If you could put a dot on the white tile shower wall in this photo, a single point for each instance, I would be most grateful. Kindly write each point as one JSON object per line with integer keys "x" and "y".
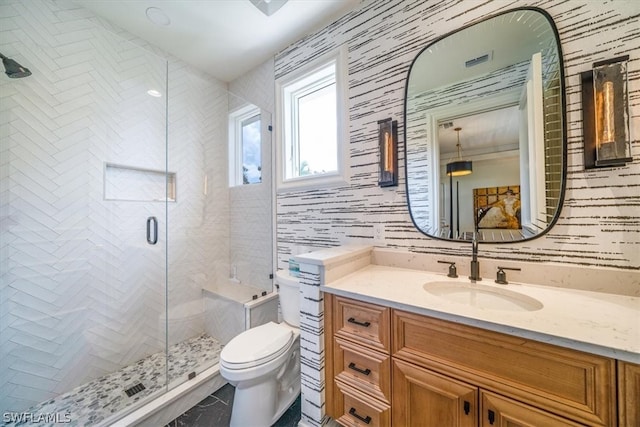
{"x": 600, "y": 222}
{"x": 82, "y": 293}
{"x": 251, "y": 234}
{"x": 225, "y": 318}
{"x": 198, "y": 107}
{"x": 256, "y": 86}
{"x": 199, "y": 219}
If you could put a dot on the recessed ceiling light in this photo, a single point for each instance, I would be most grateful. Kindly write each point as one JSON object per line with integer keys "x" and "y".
{"x": 268, "y": 7}
{"x": 157, "y": 16}
{"x": 154, "y": 93}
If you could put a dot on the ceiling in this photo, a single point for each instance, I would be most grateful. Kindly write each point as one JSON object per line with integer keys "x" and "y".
{"x": 506, "y": 40}
{"x": 224, "y": 38}
{"x": 486, "y": 132}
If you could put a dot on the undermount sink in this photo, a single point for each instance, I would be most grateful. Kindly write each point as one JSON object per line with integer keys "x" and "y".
{"x": 482, "y": 296}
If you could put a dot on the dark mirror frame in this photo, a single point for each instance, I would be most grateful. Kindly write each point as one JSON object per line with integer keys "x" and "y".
{"x": 563, "y": 114}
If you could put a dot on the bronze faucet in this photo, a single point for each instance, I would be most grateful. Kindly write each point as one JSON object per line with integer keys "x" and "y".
{"x": 475, "y": 264}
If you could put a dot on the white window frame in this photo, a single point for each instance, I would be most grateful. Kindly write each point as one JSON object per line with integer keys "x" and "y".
{"x": 285, "y": 127}
{"x": 236, "y": 118}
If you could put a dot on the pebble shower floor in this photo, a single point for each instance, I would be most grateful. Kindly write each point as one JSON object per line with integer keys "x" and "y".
{"x": 98, "y": 400}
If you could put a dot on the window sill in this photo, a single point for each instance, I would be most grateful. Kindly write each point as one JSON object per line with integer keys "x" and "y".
{"x": 312, "y": 183}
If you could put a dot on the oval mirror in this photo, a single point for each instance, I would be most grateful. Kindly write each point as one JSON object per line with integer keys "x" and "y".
{"x": 484, "y": 130}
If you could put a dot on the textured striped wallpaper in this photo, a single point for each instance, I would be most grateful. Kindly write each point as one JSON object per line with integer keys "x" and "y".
{"x": 599, "y": 224}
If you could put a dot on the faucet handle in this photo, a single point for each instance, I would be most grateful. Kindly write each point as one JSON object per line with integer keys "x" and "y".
{"x": 453, "y": 272}
{"x": 501, "y": 276}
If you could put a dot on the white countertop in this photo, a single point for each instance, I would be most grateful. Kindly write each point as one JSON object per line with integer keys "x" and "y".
{"x": 598, "y": 323}
{"x": 334, "y": 255}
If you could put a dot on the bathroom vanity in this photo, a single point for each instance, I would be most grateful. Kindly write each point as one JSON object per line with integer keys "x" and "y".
{"x": 406, "y": 346}
{"x": 446, "y": 373}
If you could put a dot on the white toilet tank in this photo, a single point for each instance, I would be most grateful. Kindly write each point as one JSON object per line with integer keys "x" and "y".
{"x": 289, "y": 297}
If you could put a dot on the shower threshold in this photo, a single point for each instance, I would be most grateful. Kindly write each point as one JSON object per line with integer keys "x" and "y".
{"x": 120, "y": 392}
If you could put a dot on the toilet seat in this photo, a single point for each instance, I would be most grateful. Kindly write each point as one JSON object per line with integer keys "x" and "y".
{"x": 256, "y": 346}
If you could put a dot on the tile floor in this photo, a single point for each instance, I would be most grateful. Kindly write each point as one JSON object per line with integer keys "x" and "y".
{"x": 215, "y": 411}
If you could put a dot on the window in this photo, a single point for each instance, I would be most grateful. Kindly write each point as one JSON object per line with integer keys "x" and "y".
{"x": 245, "y": 162}
{"x": 311, "y": 106}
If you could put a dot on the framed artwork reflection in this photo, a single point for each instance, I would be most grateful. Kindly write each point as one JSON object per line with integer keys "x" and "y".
{"x": 497, "y": 207}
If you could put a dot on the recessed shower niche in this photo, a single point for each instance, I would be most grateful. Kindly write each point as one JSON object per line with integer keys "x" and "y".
{"x": 138, "y": 184}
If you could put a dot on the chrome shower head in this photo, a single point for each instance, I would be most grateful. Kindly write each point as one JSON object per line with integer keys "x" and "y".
{"x": 13, "y": 69}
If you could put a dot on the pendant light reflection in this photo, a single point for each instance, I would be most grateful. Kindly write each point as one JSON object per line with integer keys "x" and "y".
{"x": 459, "y": 167}
{"x": 154, "y": 93}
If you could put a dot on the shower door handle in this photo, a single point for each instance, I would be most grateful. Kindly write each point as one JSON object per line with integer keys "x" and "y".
{"x": 152, "y": 240}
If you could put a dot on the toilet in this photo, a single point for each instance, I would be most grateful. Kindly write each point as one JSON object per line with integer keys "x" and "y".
{"x": 263, "y": 363}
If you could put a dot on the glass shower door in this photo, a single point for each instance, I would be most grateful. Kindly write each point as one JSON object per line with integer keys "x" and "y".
{"x": 220, "y": 252}
{"x": 83, "y": 206}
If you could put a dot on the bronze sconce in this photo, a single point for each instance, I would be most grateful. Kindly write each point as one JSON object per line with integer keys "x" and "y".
{"x": 605, "y": 114}
{"x": 388, "y": 149}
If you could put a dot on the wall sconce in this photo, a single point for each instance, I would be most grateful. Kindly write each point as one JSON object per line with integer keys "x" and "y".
{"x": 605, "y": 114}
{"x": 388, "y": 148}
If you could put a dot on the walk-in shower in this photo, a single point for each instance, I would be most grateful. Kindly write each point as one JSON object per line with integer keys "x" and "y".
{"x": 119, "y": 230}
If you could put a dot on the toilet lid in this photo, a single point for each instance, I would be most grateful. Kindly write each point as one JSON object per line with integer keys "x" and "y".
{"x": 256, "y": 346}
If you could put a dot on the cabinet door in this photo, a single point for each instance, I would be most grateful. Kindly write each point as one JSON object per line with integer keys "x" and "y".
{"x": 422, "y": 398}
{"x": 629, "y": 393}
{"x": 499, "y": 411}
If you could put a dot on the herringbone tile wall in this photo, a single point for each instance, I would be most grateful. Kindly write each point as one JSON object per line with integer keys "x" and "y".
{"x": 199, "y": 219}
{"x": 251, "y": 228}
{"x": 81, "y": 292}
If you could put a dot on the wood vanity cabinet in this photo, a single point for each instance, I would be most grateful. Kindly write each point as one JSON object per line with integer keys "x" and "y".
{"x": 359, "y": 391}
{"x": 422, "y": 371}
{"x": 426, "y": 398}
{"x": 629, "y": 394}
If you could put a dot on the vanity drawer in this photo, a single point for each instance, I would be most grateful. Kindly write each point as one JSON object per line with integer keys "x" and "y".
{"x": 364, "y": 323}
{"x": 366, "y": 370}
{"x": 358, "y": 409}
{"x": 570, "y": 383}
